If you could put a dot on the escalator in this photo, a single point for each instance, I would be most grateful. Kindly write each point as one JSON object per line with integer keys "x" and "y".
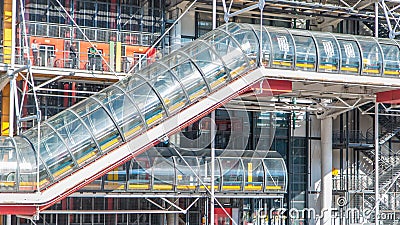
{"x": 108, "y": 129}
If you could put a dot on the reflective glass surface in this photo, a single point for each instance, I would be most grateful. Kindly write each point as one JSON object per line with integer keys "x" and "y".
{"x": 282, "y": 48}
{"x": 391, "y": 54}
{"x": 351, "y": 58}
{"x": 328, "y": 52}
{"x": 306, "y": 53}
{"x": 372, "y": 57}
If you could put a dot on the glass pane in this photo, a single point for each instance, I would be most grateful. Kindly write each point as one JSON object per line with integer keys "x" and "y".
{"x": 85, "y": 107}
{"x": 372, "y": 57}
{"x": 44, "y": 177}
{"x": 75, "y": 135}
{"x": 123, "y": 110}
{"x": 328, "y": 53}
{"x": 392, "y": 59}
{"x": 266, "y": 46}
{"x": 233, "y": 56}
{"x": 275, "y": 175}
{"x": 205, "y": 174}
{"x": 27, "y": 165}
{"x": 149, "y": 104}
{"x": 282, "y": 48}
{"x": 130, "y": 83}
{"x": 54, "y": 152}
{"x": 116, "y": 179}
{"x": 186, "y": 176}
{"x": 248, "y": 42}
{"x": 140, "y": 173}
{"x": 9, "y": 165}
{"x": 211, "y": 66}
{"x": 191, "y": 79}
{"x": 163, "y": 173}
{"x": 306, "y": 53}
{"x": 350, "y": 57}
{"x": 232, "y": 174}
{"x": 103, "y": 129}
{"x": 170, "y": 90}
{"x": 174, "y": 59}
{"x": 254, "y": 172}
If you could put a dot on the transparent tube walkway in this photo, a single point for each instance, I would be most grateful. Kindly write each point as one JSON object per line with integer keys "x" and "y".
{"x": 98, "y": 134}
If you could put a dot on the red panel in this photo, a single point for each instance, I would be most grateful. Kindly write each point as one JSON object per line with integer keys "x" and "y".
{"x": 17, "y": 210}
{"x": 392, "y": 97}
{"x": 271, "y": 87}
{"x": 220, "y": 217}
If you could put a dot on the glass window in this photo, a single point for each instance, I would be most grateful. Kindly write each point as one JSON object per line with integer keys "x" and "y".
{"x": 205, "y": 174}
{"x": 248, "y": 42}
{"x": 149, "y": 104}
{"x": 27, "y": 165}
{"x": 163, "y": 174}
{"x": 191, "y": 79}
{"x": 372, "y": 57}
{"x": 103, "y": 129}
{"x": 282, "y": 48}
{"x": 328, "y": 53}
{"x": 254, "y": 173}
{"x": 9, "y": 165}
{"x": 306, "y": 53}
{"x": 186, "y": 176}
{"x": 275, "y": 175}
{"x": 140, "y": 173}
{"x": 210, "y": 64}
{"x": 350, "y": 57}
{"x": 123, "y": 110}
{"x": 232, "y": 174}
{"x": 75, "y": 135}
{"x": 392, "y": 59}
{"x": 170, "y": 91}
{"x": 54, "y": 152}
{"x": 116, "y": 179}
{"x": 44, "y": 177}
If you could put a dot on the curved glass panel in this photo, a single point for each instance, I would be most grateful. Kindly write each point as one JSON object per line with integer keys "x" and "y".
{"x": 392, "y": 60}
{"x": 140, "y": 173}
{"x": 116, "y": 179}
{"x": 191, "y": 79}
{"x": 275, "y": 175}
{"x": 170, "y": 91}
{"x": 75, "y": 135}
{"x": 163, "y": 174}
{"x": 328, "y": 53}
{"x": 44, "y": 175}
{"x": 232, "y": 174}
{"x": 266, "y": 46}
{"x": 103, "y": 128}
{"x": 9, "y": 165}
{"x": 351, "y": 58}
{"x": 254, "y": 173}
{"x": 205, "y": 174}
{"x": 27, "y": 165}
{"x": 123, "y": 110}
{"x": 209, "y": 64}
{"x": 149, "y": 104}
{"x": 247, "y": 39}
{"x": 130, "y": 83}
{"x": 282, "y": 48}
{"x": 54, "y": 152}
{"x": 175, "y": 59}
{"x": 372, "y": 57}
{"x": 306, "y": 53}
{"x": 186, "y": 176}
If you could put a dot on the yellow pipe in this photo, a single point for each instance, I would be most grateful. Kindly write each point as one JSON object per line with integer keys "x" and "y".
{"x": 7, "y": 30}
{"x": 5, "y": 111}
